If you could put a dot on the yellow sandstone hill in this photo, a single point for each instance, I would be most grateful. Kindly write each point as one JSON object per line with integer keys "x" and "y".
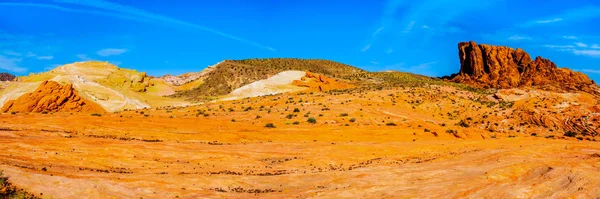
{"x": 111, "y": 87}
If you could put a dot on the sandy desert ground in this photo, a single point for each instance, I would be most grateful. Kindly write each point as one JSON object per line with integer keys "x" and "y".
{"x": 362, "y": 145}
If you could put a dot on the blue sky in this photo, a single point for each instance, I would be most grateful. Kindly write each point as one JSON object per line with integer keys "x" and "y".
{"x": 178, "y": 36}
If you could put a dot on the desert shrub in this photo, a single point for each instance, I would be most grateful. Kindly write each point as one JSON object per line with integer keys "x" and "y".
{"x": 269, "y": 125}
{"x": 343, "y": 114}
{"x": 463, "y": 124}
{"x": 296, "y": 123}
{"x": 390, "y": 124}
{"x": 96, "y": 114}
{"x": 311, "y": 120}
{"x": 296, "y": 110}
{"x": 352, "y": 119}
{"x": 570, "y": 134}
{"x": 9, "y": 191}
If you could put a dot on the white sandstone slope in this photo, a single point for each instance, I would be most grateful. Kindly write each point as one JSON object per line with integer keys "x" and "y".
{"x": 279, "y": 83}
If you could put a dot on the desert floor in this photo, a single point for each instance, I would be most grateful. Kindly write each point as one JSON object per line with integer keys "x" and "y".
{"x": 212, "y": 151}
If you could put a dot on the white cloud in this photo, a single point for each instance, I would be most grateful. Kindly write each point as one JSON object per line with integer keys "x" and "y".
{"x": 549, "y": 21}
{"x": 389, "y": 51}
{"x": 366, "y": 48}
{"x": 582, "y": 45}
{"x": 425, "y": 27}
{"x": 30, "y": 54}
{"x": 374, "y": 62}
{"x": 595, "y": 46}
{"x": 519, "y": 38}
{"x": 83, "y": 57}
{"x": 49, "y": 57}
{"x": 591, "y": 53}
{"x": 111, "y": 51}
{"x": 11, "y": 65}
{"x": 569, "y": 37}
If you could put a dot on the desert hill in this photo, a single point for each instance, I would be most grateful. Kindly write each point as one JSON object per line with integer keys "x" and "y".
{"x": 488, "y": 66}
{"x": 102, "y": 83}
{"x": 226, "y": 76}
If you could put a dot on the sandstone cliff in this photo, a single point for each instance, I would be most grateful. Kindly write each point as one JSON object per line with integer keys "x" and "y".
{"x": 487, "y": 66}
{"x": 51, "y": 97}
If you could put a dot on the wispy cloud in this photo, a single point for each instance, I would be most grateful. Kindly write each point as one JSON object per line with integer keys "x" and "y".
{"x": 374, "y": 62}
{"x": 378, "y": 31}
{"x": 11, "y": 53}
{"x": 577, "y": 14}
{"x": 519, "y": 38}
{"x": 569, "y": 37}
{"x": 415, "y": 17}
{"x": 581, "y": 45}
{"x": 592, "y": 71}
{"x": 388, "y": 51}
{"x": 560, "y": 47}
{"x": 367, "y": 47}
{"x": 49, "y": 57}
{"x": 409, "y": 27}
{"x": 549, "y": 21}
{"x": 591, "y": 53}
{"x": 580, "y": 49}
{"x": 111, "y": 51}
{"x": 10, "y": 64}
{"x": 130, "y": 13}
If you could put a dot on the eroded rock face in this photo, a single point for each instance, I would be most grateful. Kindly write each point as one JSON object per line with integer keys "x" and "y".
{"x": 487, "y": 66}
{"x": 6, "y": 77}
{"x": 51, "y": 97}
{"x": 320, "y": 82}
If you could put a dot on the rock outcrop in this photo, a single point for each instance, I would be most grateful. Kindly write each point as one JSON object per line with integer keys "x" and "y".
{"x": 487, "y": 66}
{"x": 320, "y": 82}
{"x": 49, "y": 97}
{"x": 6, "y": 77}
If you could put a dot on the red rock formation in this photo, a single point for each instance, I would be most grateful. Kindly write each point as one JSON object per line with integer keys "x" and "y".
{"x": 6, "y": 77}
{"x": 320, "y": 82}
{"x": 52, "y": 97}
{"x": 487, "y": 66}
